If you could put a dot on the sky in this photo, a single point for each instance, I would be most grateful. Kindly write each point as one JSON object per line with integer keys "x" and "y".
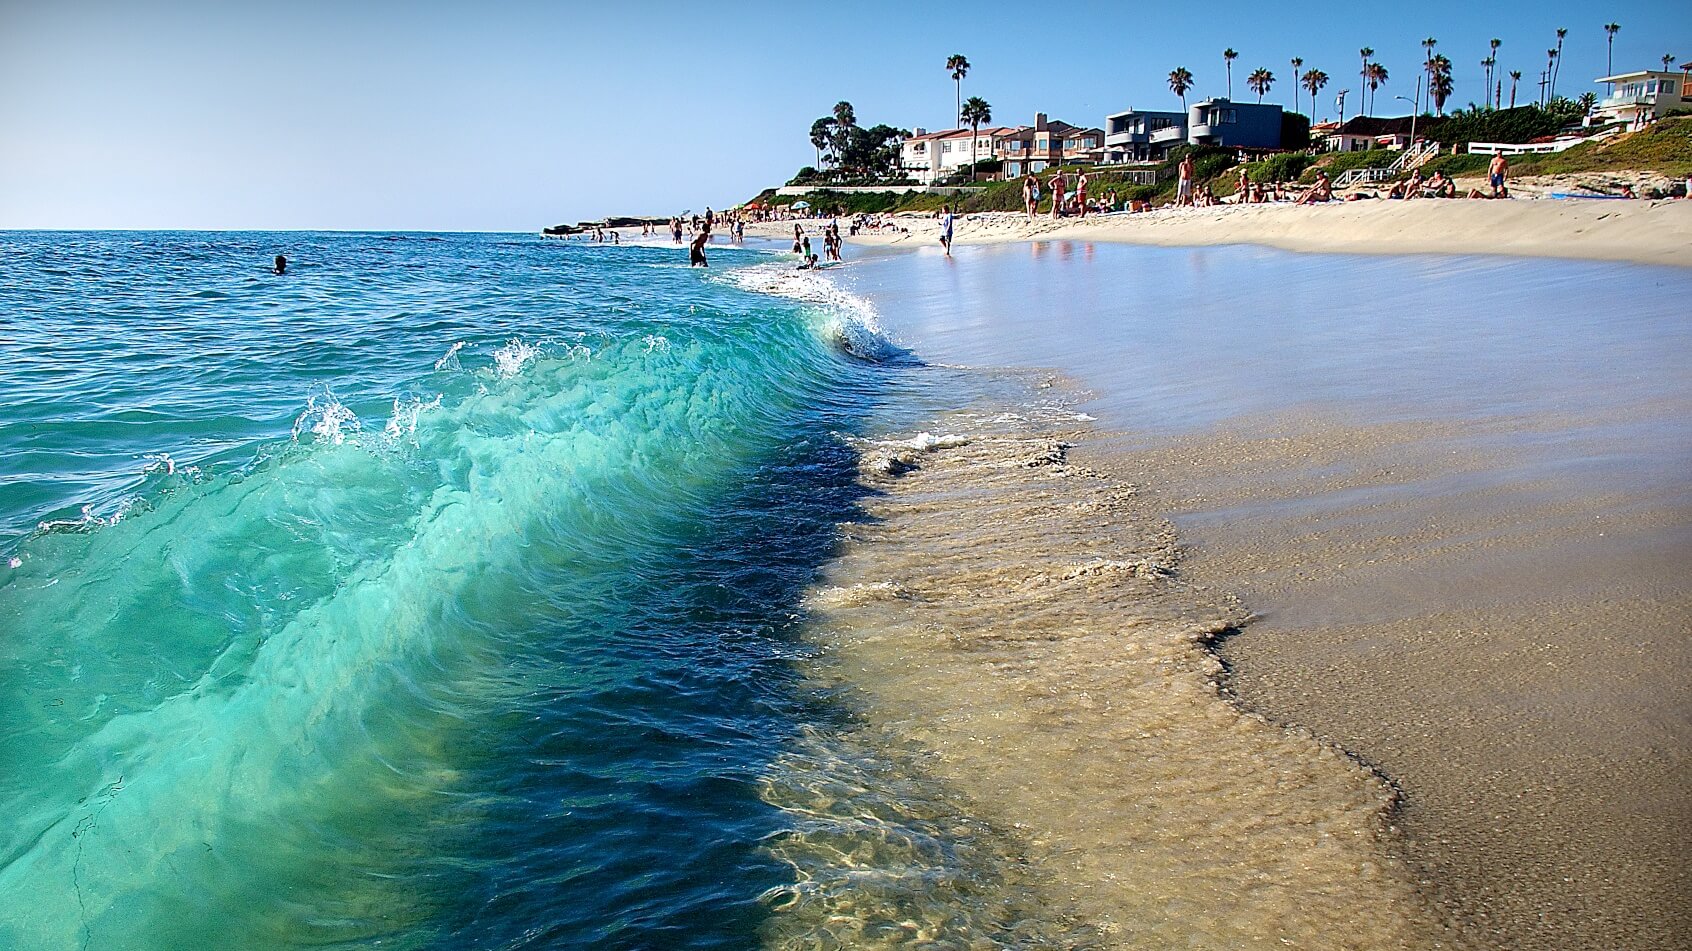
{"x": 508, "y": 116}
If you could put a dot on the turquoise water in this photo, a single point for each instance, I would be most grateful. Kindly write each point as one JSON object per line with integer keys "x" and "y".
{"x": 439, "y": 593}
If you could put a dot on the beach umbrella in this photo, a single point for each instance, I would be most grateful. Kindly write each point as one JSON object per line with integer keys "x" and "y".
{"x": 801, "y": 204}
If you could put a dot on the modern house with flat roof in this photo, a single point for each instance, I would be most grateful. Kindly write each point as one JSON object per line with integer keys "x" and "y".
{"x": 1643, "y": 97}
{"x": 1128, "y": 135}
{"x": 1246, "y": 125}
{"x": 1135, "y": 136}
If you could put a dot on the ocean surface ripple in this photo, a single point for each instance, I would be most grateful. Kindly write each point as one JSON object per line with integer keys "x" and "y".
{"x": 438, "y": 593}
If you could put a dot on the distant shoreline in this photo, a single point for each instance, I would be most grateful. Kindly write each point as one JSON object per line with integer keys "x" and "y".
{"x": 1656, "y": 232}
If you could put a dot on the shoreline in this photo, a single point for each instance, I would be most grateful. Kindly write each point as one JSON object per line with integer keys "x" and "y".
{"x": 1428, "y": 590}
{"x": 1653, "y": 232}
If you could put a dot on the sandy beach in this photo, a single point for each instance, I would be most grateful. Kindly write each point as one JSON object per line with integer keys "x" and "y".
{"x": 1430, "y": 512}
{"x": 1642, "y": 232}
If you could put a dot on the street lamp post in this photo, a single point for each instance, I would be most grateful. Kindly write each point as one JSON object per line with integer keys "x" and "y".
{"x": 1415, "y": 107}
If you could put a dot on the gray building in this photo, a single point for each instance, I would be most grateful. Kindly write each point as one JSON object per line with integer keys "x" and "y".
{"x": 1128, "y": 135}
{"x": 1135, "y": 136}
{"x": 1246, "y": 125}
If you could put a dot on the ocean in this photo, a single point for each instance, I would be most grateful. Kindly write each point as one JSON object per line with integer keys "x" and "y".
{"x": 495, "y": 592}
{"x": 440, "y": 592}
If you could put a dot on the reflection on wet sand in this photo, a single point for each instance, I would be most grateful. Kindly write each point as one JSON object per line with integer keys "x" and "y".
{"x": 1016, "y": 628}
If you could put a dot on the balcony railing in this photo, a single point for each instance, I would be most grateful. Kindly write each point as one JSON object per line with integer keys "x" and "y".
{"x": 1172, "y": 133}
{"x": 1643, "y": 99}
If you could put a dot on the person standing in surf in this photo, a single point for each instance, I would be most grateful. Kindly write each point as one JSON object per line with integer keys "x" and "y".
{"x": 696, "y": 251}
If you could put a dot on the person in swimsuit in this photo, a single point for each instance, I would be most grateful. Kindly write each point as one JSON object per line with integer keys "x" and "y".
{"x": 1496, "y": 173}
{"x": 1059, "y": 186}
{"x": 696, "y": 251}
{"x": 1030, "y": 195}
{"x": 946, "y": 231}
{"x": 280, "y": 265}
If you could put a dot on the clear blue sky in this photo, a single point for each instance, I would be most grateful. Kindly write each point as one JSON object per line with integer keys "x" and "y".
{"x": 510, "y": 116}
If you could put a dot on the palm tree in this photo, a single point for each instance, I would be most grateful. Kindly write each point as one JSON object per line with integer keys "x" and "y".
{"x": 1363, "y": 86}
{"x": 1668, "y": 58}
{"x": 1487, "y": 65}
{"x": 1429, "y": 44}
{"x": 1493, "y": 57}
{"x": 822, "y": 133}
{"x": 1610, "y": 55}
{"x": 975, "y": 111}
{"x": 1550, "y": 64}
{"x": 1439, "y": 82}
{"x": 1377, "y": 79}
{"x": 1296, "y": 63}
{"x": 1588, "y": 101}
{"x": 959, "y": 68}
{"x": 1228, "y": 57}
{"x": 1515, "y": 77}
{"x": 1181, "y": 80}
{"x": 1259, "y": 81}
{"x": 1559, "y": 58}
{"x": 1314, "y": 80}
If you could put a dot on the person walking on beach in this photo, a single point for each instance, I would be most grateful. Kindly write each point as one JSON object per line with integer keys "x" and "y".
{"x": 1030, "y": 195}
{"x": 1184, "y": 181}
{"x": 946, "y": 231}
{"x": 1496, "y": 173}
{"x": 1059, "y": 186}
{"x": 1081, "y": 193}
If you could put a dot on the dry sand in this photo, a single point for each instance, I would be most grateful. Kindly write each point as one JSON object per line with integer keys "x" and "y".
{"x": 1644, "y": 232}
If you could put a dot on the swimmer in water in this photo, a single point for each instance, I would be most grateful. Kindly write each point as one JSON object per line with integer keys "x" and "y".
{"x": 281, "y": 264}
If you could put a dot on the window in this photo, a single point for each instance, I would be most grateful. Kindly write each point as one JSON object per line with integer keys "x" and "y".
{"x": 1036, "y": 166}
{"x": 1089, "y": 142}
{"x": 920, "y": 147}
{"x": 945, "y": 146}
{"x": 1670, "y": 88}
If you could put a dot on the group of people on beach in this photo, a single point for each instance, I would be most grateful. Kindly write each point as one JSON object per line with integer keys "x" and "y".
{"x": 1064, "y": 203}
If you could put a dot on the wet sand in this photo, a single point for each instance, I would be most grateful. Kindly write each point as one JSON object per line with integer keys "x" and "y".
{"x": 1451, "y": 496}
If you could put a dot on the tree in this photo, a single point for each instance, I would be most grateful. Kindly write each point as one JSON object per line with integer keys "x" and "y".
{"x": 1228, "y": 57}
{"x": 959, "y": 68}
{"x": 1259, "y": 81}
{"x": 1363, "y": 74}
{"x": 1492, "y": 60}
{"x": 1429, "y": 44}
{"x": 1377, "y": 79}
{"x": 1487, "y": 65}
{"x": 1668, "y": 59}
{"x": 1558, "y": 69}
{"x": 1550, "y": 67}
{"x": 1588, "y": 101}
{"x": 1439, "y": 82}
{"x": 822, "y": 136}
{"x": 1515, "y": 77}
{"x": 975, "y": 111}
{"x": 1313, "y": 81}
{"x": 1611, "y": 29}
{"x": 844, "y": 122}
{"x": 1181, "y": 80}
{"x": 1296, "y": 63}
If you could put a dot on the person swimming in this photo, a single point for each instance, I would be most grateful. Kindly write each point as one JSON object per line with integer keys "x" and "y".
{"x": 280, "y": 265}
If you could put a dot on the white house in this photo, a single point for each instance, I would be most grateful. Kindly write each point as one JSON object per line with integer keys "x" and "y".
{"x": 1644, "y": 96}
{"x": 928, "y": 156}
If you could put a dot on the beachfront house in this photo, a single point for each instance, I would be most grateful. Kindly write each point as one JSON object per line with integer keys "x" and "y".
{"x": 1362, "y": 133}
{"x": 1246, "y": 125}
{"x": 930, "y": 156}
{"x": 1128, "y": 135}
{"x": 1046, "y": 144}
{"x": 1134, "y": 136}
{"x": 1642, "y": 97}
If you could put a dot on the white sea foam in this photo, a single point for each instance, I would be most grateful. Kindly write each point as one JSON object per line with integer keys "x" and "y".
{"x": 853, "y": 322}
{"x": 403, "y": 422}
{"x": 509, "y": 359}
{"x": 327, "y": 419}
{"x": 449, "y": 360}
